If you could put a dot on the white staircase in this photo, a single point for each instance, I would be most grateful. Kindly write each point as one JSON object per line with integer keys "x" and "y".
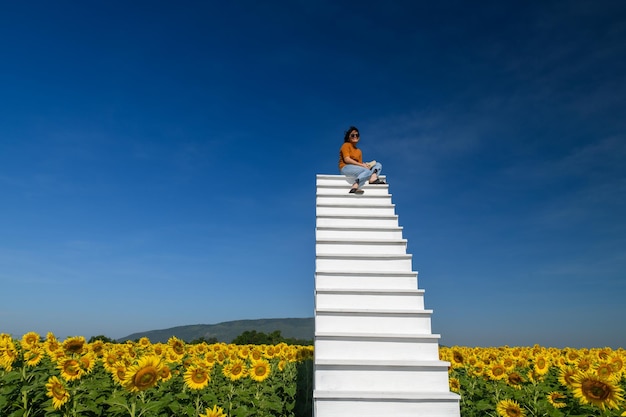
{"x": 375, "y": 354}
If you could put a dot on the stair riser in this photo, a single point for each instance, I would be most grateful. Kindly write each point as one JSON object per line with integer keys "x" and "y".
{"x": 355, "y": 211}
{"x": 361, "y": 248}
{"x": 342, "y": 182}
{"x": 358, "y": 234}
{"x": 378, "y": 408}
{"x": 367, "y": 222}
{"x": 365, "y": 301}
{"x": 363, "y": 265}
{"x": 368, "y": 191}
{"x": 377, "y": 349}
{"x": 366, "y": 282}
{"x": 355, "y": 199}
{"x": 383, "y": 379}
{"x": 383, "y": 325}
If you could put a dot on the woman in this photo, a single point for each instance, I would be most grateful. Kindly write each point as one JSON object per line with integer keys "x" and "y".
{"x": 351, "y": 163}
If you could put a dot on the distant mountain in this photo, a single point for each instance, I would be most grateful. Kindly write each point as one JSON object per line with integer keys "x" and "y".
{"x": 297, "y": 328}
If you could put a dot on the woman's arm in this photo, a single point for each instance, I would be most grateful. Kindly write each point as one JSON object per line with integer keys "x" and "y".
{"x": 351, "y": 161}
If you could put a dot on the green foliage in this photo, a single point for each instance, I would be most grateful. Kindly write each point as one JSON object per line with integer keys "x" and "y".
{"x": 102, "y": 338}
{"x": 252, "y": 337}
{"x": 202, "y": 339}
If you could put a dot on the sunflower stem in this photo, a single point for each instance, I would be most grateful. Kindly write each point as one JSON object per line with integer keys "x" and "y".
{"x": 198, "y": 405}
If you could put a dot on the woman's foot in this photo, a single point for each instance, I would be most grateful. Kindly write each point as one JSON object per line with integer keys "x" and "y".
{"x": 378, "y": 181}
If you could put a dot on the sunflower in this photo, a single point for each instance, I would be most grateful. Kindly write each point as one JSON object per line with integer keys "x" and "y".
{"x": 74, "y": 344}
{"x": 270, "y": 352}
{"x": 509, "y": 363}
{"x": 604, "y": 393}
{"x": 583, "y": 364}
{"x": 109, "y": 360}
{"x": 166, "y": 373}
{"x": 30, "y": 340}
{"x": 234, "y": 370}
{"x": 260, "y": 370}
{"x": 57, "y": 391}
{"x": 555, "y": 398}
{"x": 244, "y": 351}
{"x": 8, "y": 352}
{"x": 617, "y": 363}
{"x": 256, "y": 354}
{"x": 604, "y": 370}
{"x": 209, "y": 357}
{"x": 454, "y": 384}
{"x": 33, "y": 356}
{"x": 497, "y": 371}
{"x": 604, "y": 353}
{"x": 159, "y": 349}
{"x": 214, "y": 412}
{"x": 97, "y": 347}
{"x": 87, "y": 362}
{"x": 144, "y": 374}
{"x": 220, "y": 356}
{"x": 541, "y": 365}
{"x": 71, "y": 369}
{"x": 509, "y": 408}
{"x": 197, "y": 377}
{"x": 201, "y": 349}
{"x": 144, "y": 342}
{"x": 457, "y": 359}
{"x": 51, "y": 344}
{"x": 515, "y": 380}
{"x": 176, "y": 345}
{"x": 478, "y": 369}
{"x": 566, "y": 376}
{"x": 118, "y": 372}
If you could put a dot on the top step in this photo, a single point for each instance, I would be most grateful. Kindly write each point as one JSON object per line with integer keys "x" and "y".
{"x": 323, "y": 180}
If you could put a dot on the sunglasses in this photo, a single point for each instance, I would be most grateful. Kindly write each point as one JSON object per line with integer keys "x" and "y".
{"x": 354, "y": 135}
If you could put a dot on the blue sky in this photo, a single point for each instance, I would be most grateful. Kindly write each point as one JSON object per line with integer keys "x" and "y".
{"x": 158, "y": 160}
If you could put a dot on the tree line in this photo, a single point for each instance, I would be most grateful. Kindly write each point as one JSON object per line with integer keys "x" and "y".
{"x": 248, "y": 337}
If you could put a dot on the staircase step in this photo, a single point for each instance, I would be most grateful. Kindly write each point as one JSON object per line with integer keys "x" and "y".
{"x": 336, "y": 180}
{"x": 376, "y": 375}
{"x": 384, "y": 322}
{"x": 345, "y": 198}
{"x": 358, "y": 233}
{"x": 366, "y": 280}
{"x": 361, "y": 246}
{"x": 356, "y": 209}
{"x": 355, "y": 220}
{"x": 369, "y": 299}
{"x": 368, "y": 190}
{"x": 385, "y": 403}
{"x": 367, "y": 346}
{"x": 363, "y": 263}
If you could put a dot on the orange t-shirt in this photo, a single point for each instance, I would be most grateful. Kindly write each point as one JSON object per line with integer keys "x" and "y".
{"x": 348, "y": 149}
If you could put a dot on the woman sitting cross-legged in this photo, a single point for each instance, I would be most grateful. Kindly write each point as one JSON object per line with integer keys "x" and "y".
{"x": 351, "y": 163}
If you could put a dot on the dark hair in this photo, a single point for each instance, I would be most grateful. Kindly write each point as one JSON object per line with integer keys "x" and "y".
{"x": 346, "y": 135}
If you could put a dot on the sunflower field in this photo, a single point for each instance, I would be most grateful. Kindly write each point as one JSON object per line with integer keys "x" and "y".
{"x": 537, "y": 381}
{"x": 49, "y": 377}
{"x": 57, "y": 378}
